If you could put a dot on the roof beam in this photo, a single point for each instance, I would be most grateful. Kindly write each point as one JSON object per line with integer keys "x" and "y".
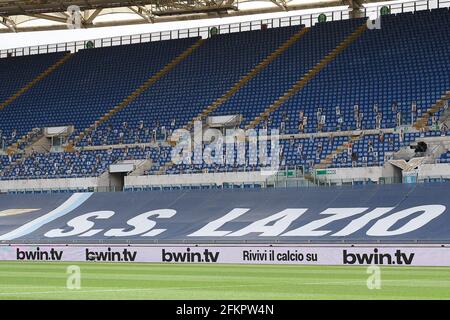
{"x": 280, "y": 3}
{"x": 7, "y": 22}
{"x": 94, "y": 15}
{"x": 48, "y": 17}
{"x": 145, "y": 11}
{"x": 160, "y": 18}
{"x": 145, "y": 14}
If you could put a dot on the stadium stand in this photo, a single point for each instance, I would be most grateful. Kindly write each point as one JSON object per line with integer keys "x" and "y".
{"x": 87, "y": 85}
{"x": 280, "y": 75}
{"x": 341, "y": 95}
{"x": 198, "y": 81}
{"x": 24, "y": 69}
{"x": 379, "y": 69}
{"x": 445, "y": 158}
{"x": 65, "y": 165}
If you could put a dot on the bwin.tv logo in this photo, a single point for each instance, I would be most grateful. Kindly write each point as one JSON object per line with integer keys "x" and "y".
{"x": 373, "y": 24}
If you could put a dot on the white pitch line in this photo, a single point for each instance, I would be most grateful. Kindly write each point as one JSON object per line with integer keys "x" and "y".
{"x": 335, "y": 282}
{"x": 125, "y": 290}
{"x": 363, "y": 283}
{"x": 170, "y": 288}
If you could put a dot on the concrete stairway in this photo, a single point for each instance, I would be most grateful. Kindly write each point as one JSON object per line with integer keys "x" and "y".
{"x": 422, "y": 122}
{"x": 26, "y": 140}
{"x": 41, "y": 144}
{"x": 141, "y": 167}
{"x": 125, "y": 102}
{"x": 246, "y": 78}
{"x": 29, "y": 85}
{"x": 308, "y": 76}
{"x": 328, "y": 160}
{"x": 445, "y": 117}
{"x": 34, "y": 137}
{"x": 294, "y": 89}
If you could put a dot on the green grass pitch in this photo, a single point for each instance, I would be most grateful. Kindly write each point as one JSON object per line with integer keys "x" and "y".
{"x": 40, "y": 280}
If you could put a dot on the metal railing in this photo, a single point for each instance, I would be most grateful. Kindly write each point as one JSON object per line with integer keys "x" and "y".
{"x": 353, "y": 242}
{"x": 63, "y": 190}
{"x": 296, "y": 180}
{"x": 404, "y": 7}
{"x": 203, "y": 32}
{"x": 307, "y": 20}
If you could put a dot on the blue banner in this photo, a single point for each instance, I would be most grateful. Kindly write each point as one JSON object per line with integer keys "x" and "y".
{"x": 387, "y": 213}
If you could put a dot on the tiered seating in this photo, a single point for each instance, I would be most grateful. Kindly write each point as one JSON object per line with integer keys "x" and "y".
{"x": 193, "y": 85}
{"x": 445, "y": 158}
{"x": 369, "y": 151}
{"x": 87, "y": 85}
{"x": 4, "y": 162}
{"x": 65, "y": 165}
{"x": 78, "y": 164}
{"x": 16, "y": 72}
{"x": 292, "y": 153}
{"x": 282, "y": 73}
{"x": 380, "y": 145}
{"x": 307, "y": 152}
{"x": 406, "y": 60}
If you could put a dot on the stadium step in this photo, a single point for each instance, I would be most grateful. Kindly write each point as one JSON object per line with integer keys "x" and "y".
{"x": 246, "y": 78}
{"x": 24, "y": 141}
{"x": 30, "y": 84}
{"x": 308, "y": 76}
{"x": 125, "y": 102}
{"x": 422, "y": 122}
{"x": 328, "y": 160}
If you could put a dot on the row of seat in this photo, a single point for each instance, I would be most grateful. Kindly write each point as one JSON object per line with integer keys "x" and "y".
{"x": 406, "y": 61}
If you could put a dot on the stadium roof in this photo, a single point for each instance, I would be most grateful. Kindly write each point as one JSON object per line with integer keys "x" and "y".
{"x": 37, "y": 15}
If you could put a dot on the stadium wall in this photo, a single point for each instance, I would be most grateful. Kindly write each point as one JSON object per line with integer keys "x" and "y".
{"x": 246, "y": 254}
{"x": 196, "y": 178}
{"x": 382, "y": 225}
{"x": 105, "y": 181}
{"x": 434, "y": 170}
{"x": 39, "y": 184}
{"x": 349, "y": 174}
{"x": 398, "y": 213}
{"x": 51, "y": 184}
